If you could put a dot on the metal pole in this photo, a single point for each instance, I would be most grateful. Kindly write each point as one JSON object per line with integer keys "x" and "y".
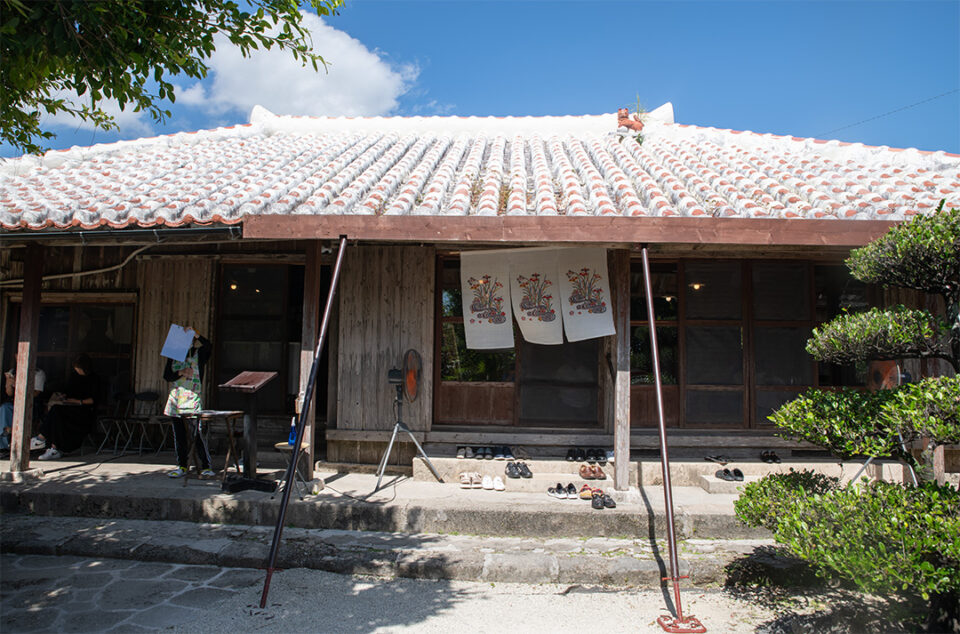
{"x": 679, "y": 624}
{"x": 301, "y": 420}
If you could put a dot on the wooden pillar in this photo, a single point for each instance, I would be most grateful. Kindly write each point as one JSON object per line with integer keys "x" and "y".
{"x": 22, "y": 428}
{"x": 308, "y": 345}
{"x": 620, "y": 289}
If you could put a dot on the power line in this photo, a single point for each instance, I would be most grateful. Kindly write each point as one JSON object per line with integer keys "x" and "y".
{"x": 823, "y": 134}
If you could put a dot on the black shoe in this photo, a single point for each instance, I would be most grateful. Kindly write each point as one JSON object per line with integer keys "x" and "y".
{"x": 608, "y": 502}
{"x": 571, "y": 455}
{"x": 488, "y": 453}
{"x": 571, "y": 492}
{"x": 590, "y": 456}
{"x": 478, "y": 453}
{"x": 738, "y": 475}
{"x": 600, "y": 456}
{"x": 524, "y": 470}
{"x": 511, "y": 470}
{"x": 597, "y": 502}
{"x": 579, "y": 456}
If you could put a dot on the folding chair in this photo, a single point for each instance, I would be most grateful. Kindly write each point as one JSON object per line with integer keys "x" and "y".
{"x": 146, "y": 417}
{"x": 114, "y": 424}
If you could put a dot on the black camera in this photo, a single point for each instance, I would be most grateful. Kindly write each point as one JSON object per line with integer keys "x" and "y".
{"x": 394, "y": 376}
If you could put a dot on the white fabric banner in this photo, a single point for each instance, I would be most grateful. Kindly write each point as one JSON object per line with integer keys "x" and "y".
{"x": 535, "y": 295}
{"x": 484, "y": 283}
{"x": 585, "y": 294}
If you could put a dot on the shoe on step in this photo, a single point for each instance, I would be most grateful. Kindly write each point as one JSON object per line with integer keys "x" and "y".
{"x": 511, "y": 470}
{"x": 498, "y": 453}
{"x": 50, "y": 454}
{"x": 507, "y": 453}
{"x": 461, "y": 452}
{"x": 498, "y": 484}
{"x": 571, "y": 491}
{"x": 487, "y": 483}
{"x": 597, "y": 502}
{"x": 571, "y": 454}
{"x": 608, "y": 502}
{"x": 524, "y": 470}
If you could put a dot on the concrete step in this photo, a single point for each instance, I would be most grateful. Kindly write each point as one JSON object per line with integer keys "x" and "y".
{"x": 639, "y": 562}
{"x": 712, "y": 484}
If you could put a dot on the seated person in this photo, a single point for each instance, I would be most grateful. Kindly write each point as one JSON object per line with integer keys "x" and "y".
{"x": 6, "y": 408}
{"x": 72, "y": 414}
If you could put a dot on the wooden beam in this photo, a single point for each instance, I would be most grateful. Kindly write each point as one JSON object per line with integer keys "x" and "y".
{"x": 22, "y": 428}
{"x": 620, "y": 289}
{"x": 571, "y": 229}
{"x": 308, "y": 344}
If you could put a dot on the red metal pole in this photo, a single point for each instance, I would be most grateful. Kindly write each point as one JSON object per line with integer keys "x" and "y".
{"x": 679, "y": 624}
{"x": 301, "y": 421}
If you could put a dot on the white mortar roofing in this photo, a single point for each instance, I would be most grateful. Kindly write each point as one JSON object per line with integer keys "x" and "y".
{"x": 468, "y": 166}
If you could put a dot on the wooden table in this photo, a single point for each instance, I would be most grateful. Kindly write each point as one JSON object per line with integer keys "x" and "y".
{"x": 249, "y": 382}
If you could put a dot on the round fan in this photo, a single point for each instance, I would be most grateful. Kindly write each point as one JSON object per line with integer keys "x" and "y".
{"x": 883, "y": 375}
{"x": 412, "y": 371}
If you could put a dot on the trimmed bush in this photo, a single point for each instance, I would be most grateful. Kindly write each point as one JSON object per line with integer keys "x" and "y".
{"x": 881, "y": 333}
{"x": 883, "y": 537}
{"x": 845, "y": 422}
{"x": 762, "y": 502}
{"x": 930, "y": 408}
{"x": 923, "y": 254}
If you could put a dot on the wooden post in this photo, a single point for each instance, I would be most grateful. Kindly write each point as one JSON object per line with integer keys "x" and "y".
{"x": 620, "y": 289}
{"x": 22, "y": 428}
{"x": 308, "y": 343}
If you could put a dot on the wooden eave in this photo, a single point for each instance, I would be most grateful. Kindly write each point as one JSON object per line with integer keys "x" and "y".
{"x": 570, "y": 229}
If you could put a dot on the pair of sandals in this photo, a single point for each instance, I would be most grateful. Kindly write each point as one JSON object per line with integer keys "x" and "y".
{"x": 598, "y": 499}
{"x": 769, "y": 456}
{"x": 473, "y": 480}
{"x": 516, "y": 470}
{"x": 561, "y": 492}
{"x": 589, "y": 472}
{"x": 730, "y": 476}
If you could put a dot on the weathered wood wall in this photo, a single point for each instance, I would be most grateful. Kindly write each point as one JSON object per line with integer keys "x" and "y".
{"x": 386, "y": 308}
{"x": 172, "y": 290}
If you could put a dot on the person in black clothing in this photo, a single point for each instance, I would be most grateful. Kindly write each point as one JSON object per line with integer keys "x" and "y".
{"x": 72, "y": 413}
{"x": 186, "y": 399}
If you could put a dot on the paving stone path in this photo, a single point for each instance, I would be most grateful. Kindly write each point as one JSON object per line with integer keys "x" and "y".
{"x": 76, "y": 594}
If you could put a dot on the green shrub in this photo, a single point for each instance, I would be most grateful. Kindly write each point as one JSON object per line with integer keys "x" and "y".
{"x": 923, "y": 254}
{"x": 762, "y": 502}
{"x": 881, "y": 333}
{"x": 845, "y": 422}
{"x": 883, "y": 537}
{"x": 930, "y": 408}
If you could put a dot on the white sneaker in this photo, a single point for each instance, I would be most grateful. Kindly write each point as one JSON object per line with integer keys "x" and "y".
{"x": 498, "y": 484}
{"x": 50, "y": 454}
{"x": 487, "y": 483}
{"x": 37, "y": 443}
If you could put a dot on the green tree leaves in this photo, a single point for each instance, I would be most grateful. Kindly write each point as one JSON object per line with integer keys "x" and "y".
{"x": 117, "y": 49}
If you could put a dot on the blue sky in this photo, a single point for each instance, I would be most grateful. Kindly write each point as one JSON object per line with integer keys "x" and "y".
{"x": 800, "y": 68}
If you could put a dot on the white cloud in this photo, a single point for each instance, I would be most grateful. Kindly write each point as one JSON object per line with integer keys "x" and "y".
{"x": 358, "y": 81}
{"x": 129, "y": 123}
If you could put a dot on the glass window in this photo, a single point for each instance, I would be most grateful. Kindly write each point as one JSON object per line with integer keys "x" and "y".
{"x": 641, "y": 361}
{"x": 714, "y": 355}
{"x": 458, "y": 363}
{"x": 663, "y": 280}
{"x": 713, "y": 290}
{"x": 780, "y": 356}
{"x": 781, "y": 292}
{"x": 714, "y": 407}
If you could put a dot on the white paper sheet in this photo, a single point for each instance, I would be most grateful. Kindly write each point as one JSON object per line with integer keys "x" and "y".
{"x": 487, "y": 317}
{"x": 177, "y": 344}
{"x": 535, "y": 295}
{"x": 585, "y": 293}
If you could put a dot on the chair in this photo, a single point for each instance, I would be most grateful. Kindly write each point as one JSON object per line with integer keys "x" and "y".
{"x": 114, "y": 424}
{"x": 146, "y": 416}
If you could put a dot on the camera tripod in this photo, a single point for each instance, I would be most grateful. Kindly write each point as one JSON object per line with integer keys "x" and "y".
{"x": 401, "y": 426}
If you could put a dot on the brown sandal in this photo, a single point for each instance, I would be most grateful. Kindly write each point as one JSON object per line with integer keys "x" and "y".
{"x": 598, "y": 473}
{"x": 586, "y": 472}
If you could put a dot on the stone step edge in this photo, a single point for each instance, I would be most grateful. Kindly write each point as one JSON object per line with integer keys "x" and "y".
{"x": 300, "y": 549}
